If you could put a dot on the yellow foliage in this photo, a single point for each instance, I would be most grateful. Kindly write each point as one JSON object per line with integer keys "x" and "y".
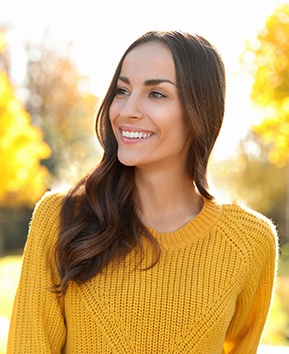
{"x": 23, "y": 179}
{"x": 274, "y": 131}
{"x": 271, "y": 83}
{"x": 272, "y": 59}
{"x": 2, "y": 40}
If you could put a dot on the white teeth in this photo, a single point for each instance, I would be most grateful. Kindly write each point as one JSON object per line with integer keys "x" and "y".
{"x": 135, "y": 135}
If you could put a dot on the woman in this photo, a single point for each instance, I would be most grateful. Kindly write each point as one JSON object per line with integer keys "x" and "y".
{"x": 139, "y": 257}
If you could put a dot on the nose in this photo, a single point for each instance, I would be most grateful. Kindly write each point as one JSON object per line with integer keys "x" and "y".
{"x": 132, "y": 108}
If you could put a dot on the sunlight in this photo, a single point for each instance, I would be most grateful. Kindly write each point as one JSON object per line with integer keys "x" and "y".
{"x": 98, "y": 36}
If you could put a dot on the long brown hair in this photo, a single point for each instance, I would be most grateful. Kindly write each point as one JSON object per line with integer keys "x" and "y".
{"x": 99, "y": 216}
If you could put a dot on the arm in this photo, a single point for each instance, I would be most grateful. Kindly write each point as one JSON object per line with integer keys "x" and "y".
{"x": 37, "y": 321}
{"x": 254, "y": 302}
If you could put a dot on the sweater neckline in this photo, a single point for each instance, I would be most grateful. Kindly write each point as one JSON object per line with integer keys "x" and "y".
{"x": 193, "y": 230}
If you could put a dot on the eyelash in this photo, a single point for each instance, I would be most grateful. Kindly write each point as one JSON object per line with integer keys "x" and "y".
{"x": 153, "y": 94}
{"x": 157, "y": 95}
{"x": 120, "y": 91}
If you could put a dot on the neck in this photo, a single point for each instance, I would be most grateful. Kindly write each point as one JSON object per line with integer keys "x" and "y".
{"x": 166, "y": 200}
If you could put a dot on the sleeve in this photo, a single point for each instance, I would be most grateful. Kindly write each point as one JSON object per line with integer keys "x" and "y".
{"x": 254, "y": 302}
{"x": 37, "y": 323}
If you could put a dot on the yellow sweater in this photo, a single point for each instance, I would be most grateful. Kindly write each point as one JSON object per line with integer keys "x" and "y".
{"x": 209, "y": 294}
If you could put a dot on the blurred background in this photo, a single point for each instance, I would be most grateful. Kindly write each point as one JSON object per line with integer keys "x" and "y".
{"x": 56, "y": 61}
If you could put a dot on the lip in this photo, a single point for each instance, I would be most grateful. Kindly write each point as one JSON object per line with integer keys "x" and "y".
{"x": 130, "y": 128}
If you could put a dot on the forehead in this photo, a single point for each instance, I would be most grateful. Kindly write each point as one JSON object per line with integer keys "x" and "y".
{"x": 152, "y": 58}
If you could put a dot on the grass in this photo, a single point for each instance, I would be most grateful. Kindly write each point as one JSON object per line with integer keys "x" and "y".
{"x": 276, "y": 332}
{"x": 277, "y": 329}
{"x": 10, "y": 267}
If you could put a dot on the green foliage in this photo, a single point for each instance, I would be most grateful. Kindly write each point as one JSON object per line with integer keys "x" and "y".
{"x": 277, "y": 329}
{"x": 250, "y": 178}
{"x": 14, "y": 228}
{"x": 284, "y": 264}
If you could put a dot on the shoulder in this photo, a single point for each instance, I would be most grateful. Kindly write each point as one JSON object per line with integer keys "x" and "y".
{"x": 44, "y": 228}
{"x": 245, "y": 227}
{"x": 50, "y": 204}
{"x": 46, "y": 214}
{"x": 246, "y": 218}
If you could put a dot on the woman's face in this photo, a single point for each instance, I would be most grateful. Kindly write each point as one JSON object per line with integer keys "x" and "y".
{"x": 146, "y": 113}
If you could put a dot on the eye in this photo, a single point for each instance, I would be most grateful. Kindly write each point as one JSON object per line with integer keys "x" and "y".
{"x": 120, "y": 91}
{"x": 157, "y": 95}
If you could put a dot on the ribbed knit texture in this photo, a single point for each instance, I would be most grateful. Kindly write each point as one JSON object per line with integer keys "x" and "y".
{"x": 210, "y": 292}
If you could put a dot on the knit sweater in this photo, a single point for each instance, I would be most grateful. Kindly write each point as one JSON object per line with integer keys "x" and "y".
{"x": 209, "y": 293}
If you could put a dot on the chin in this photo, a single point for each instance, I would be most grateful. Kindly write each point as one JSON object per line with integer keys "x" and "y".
{"x": 126, "y": 161}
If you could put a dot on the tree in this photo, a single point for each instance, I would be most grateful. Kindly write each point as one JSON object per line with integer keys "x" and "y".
{"x": 23, "y": 178}
{"x": 269, "y": 64}
{"x": 60, "y": 103}
{"x": 250, "y": 178}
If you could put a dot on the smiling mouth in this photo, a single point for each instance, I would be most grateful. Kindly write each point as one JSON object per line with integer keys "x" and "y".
{"x": 135, "y": 135}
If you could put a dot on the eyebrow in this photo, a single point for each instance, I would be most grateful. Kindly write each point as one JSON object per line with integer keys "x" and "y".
{"x": 150, "y": 82}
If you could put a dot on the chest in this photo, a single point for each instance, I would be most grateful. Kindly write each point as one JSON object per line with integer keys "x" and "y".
{"x": 188, "y": 291}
